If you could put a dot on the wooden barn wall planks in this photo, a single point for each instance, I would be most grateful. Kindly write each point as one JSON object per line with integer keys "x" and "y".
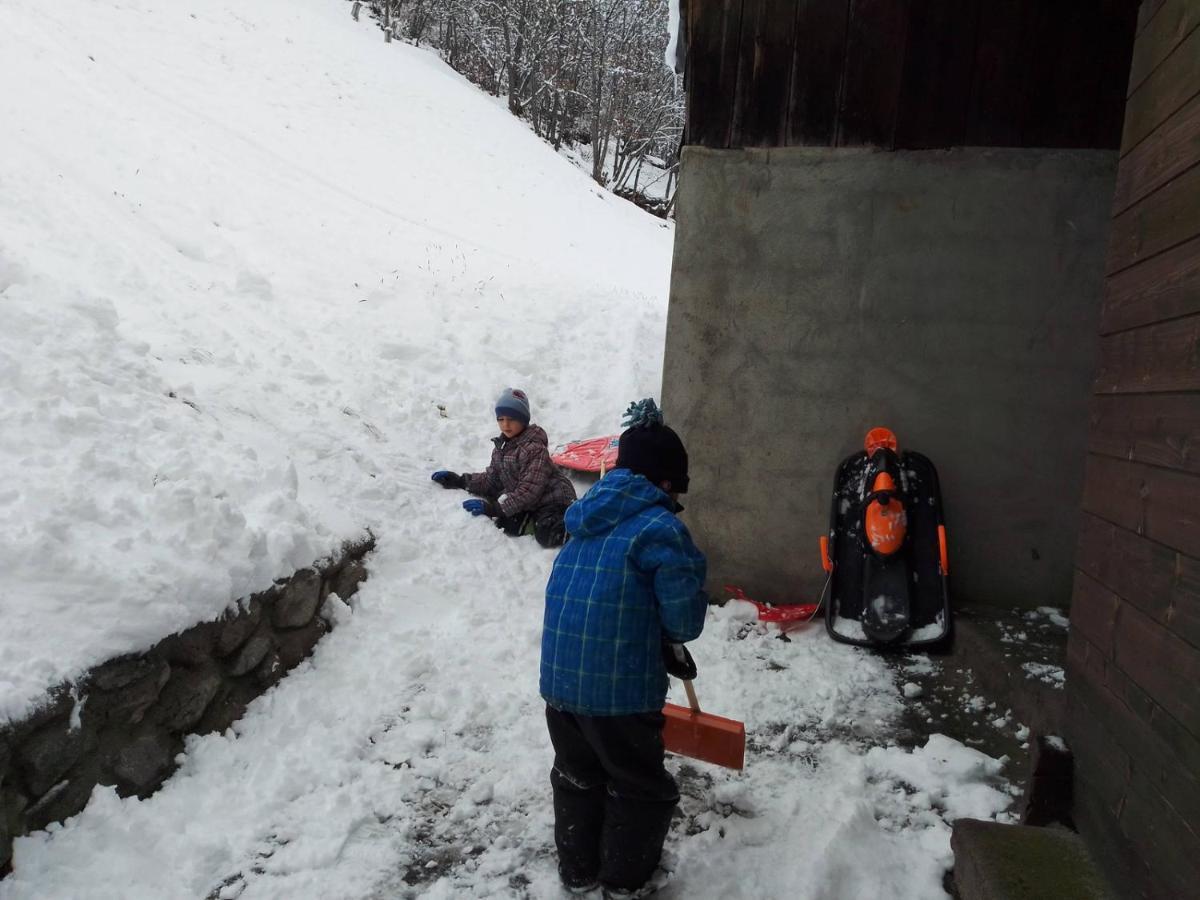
{"x": 911, "y": 74}
{"x": 714, "y": 29}
{"x": 1160, "y": 221}
{"x": 1164, "y": 91}
{"x": 764, "y": 73}
{"x": 872, "y": 72}
{"x": 1164, "y": 31}
{"x": 938, "y": 70}
{"x": 1163, "y": 287}
{"x": 1168, "y": 151}
{"x": 1134, "y": 656}
{"x": 815, "y": 95}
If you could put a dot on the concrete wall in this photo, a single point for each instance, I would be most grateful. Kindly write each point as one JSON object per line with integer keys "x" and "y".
{"x": 949, "y": 295}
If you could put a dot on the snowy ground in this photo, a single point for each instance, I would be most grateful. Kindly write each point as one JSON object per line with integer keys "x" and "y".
{"x": 410, "y": 759}
{"x": 246, "y": 252}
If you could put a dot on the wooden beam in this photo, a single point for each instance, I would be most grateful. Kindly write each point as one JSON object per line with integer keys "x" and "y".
{"x": 1163, "y": 287}
{"x": 1106, "y": 713}
{"x": 1094, "y": 612}
{"x": 1048, "y": 29}
{"x": 872, "y": 72}
{"x": 1002, "y": 81}
{"x": 1097, "y": 720}
{"x": 1161, "y": 664}
{"x": 907, "y": 73}
{"x": 1157, "y": 222}
{"x": 1163, "y": 33}
{"x": 1161, "y": 504}
{"x": 714, "y": 32}
{"x": 1079, "y": 69}
{"x": 1157, "y": 358}
{"x": 1156, "y": 429}
{"x": 764, "y": 74}
{"x": 1161, "y": 582}
{"x": 818, "y": 52}
{"x": 1165, "y": 90}
{"x": 1166, "y": 153}
{"x": 939, "y": 67}
{"x": 1135, "y": 721}
{"x": 1159, "y": 813}
{"x": 1146, "y": 13}
{"x": 1114, "y": 49}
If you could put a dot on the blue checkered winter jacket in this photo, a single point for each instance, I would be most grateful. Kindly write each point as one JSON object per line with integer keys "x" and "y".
{"x": 628, "y": 576}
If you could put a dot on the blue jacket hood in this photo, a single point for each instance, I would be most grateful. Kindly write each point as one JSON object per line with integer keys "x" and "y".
{"x": 617, "y": 496}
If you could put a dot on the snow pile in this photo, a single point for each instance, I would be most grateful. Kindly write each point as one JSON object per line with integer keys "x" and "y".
{"x": 1053, "y": 614}
{"x": 945, "y": 775}
{"x": 821, "y": 810}
{"x": 1047, "y": 673}
{"x": 125, "y": 512}
{"x": 244, "y": 253}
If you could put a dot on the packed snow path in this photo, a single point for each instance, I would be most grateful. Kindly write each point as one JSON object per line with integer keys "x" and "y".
{"x": 410, "y": 759}
{"x": 261, "y": 274}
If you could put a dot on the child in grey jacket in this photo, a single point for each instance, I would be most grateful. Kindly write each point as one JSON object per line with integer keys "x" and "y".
{"x": 521, "y": 489}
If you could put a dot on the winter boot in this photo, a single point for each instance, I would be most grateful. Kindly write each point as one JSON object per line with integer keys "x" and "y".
{"x": 578, "y": 824}
{"x": 634, "y": 832}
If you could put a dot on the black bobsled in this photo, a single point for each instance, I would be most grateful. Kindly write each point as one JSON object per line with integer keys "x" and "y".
{"x": 886, "y": 549}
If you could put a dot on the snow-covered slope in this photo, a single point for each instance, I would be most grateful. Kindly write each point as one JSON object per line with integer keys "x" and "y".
{"x": 245, "y": 251}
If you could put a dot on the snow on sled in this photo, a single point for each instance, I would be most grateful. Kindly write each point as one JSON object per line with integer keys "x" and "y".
{"x": 784, "y": 615}
{"x": 593, "y": 455}
{"x": 886, "y": 549}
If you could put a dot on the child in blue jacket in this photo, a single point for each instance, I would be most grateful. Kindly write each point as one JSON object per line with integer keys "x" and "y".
{"x": 628, "y": 580}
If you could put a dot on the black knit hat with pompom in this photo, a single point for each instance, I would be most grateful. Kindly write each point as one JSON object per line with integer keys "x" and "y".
{"x": 649, "y": 447}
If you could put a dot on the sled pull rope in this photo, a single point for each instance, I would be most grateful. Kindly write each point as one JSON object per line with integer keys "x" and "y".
{"x": 691, "y": 692}
{"x": 824, "y": 593}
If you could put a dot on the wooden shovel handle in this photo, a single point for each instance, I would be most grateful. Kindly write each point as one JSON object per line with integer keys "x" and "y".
{"x": 691, "y": 692}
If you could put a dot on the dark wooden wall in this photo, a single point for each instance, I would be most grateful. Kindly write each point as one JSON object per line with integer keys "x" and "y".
{"x": 907, "y": 73}
{"x": 1134, "y": 653}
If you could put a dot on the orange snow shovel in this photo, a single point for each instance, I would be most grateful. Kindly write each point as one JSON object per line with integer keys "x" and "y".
{"x": 703, "y": 736}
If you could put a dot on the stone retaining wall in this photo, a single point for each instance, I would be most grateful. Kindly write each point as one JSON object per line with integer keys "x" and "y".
{"x": 124, "y": 722}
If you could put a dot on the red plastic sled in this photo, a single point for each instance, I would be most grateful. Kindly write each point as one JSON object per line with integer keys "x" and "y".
{"x": 797, "y": 613}
{"x": 593, "y": 455}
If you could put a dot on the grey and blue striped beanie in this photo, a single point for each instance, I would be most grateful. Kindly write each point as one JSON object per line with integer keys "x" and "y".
{"x": 514, "y": 404}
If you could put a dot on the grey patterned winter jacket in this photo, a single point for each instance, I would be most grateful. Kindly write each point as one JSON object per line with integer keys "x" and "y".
{"x": 522, "y": 474}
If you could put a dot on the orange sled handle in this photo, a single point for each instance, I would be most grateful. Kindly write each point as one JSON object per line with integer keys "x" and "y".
{"x": 943, "y": 553}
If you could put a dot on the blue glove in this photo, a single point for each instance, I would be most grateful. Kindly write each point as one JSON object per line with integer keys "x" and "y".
{"x": 449, "y": 479}
{"x": 479, "y": 507}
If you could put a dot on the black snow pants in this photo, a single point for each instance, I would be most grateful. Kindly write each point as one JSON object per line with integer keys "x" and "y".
{"x": 613, "y": 799}
{"x": 546, "y": 526}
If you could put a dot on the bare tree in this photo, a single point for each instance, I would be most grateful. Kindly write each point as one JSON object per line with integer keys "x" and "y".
{"x": 583, "y": 73}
